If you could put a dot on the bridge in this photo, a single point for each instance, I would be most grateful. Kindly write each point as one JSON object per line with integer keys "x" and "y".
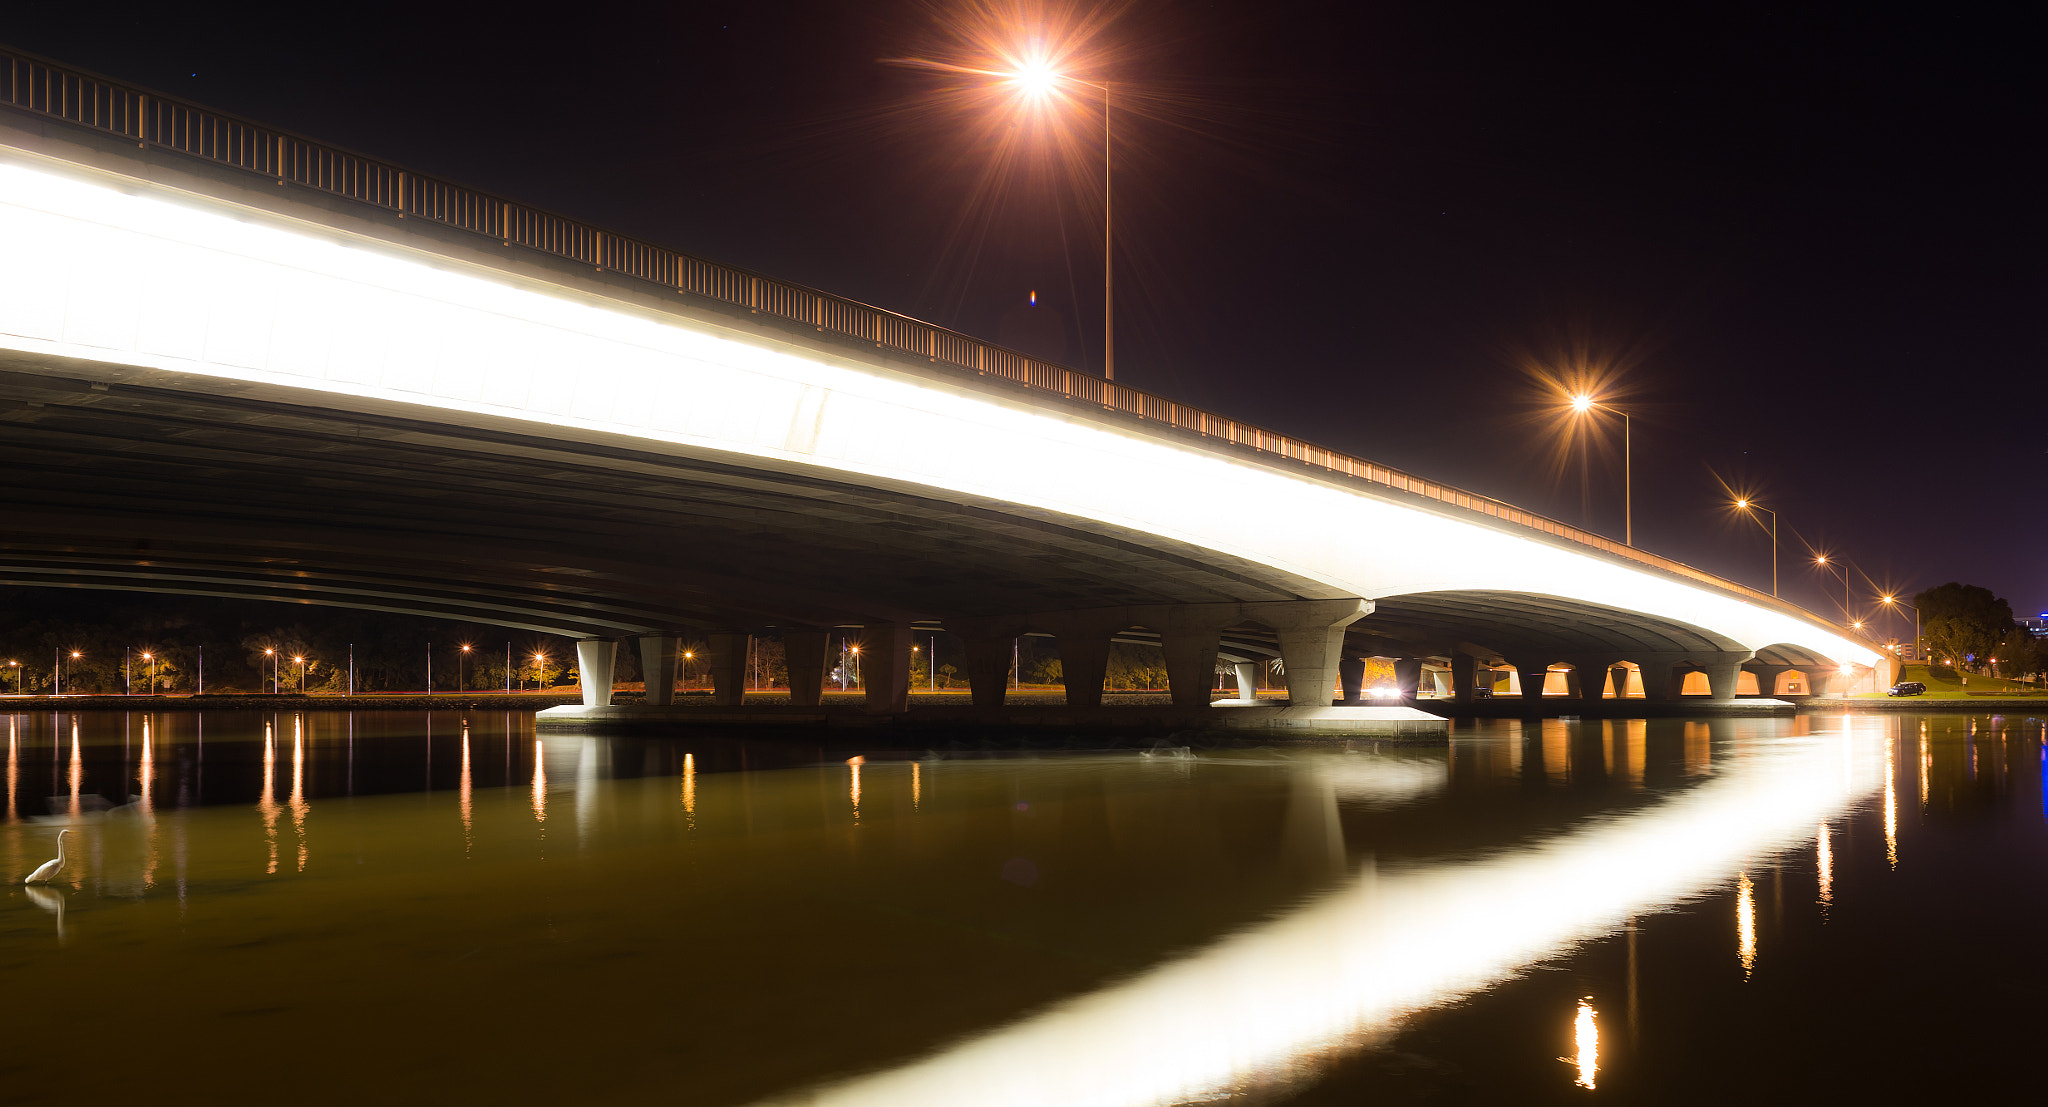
{"x": 236, "y": 361}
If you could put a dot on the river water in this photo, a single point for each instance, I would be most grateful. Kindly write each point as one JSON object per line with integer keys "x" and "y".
{"x": 415, "y": 907}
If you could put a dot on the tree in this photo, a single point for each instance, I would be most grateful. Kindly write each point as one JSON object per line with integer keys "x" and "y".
{"x": 1963, "y": 624}
{"x": 2021, "y": 655}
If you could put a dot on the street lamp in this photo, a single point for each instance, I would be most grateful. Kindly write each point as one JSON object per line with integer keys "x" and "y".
{"x": 1893, "y": 601}
{"x": 301, "y": 663}
{"x": 1583, "y": 404}
{"x": 1752, "y": 506}
{"x": 538, "y": 660}
{"x": 272, "y": 655}
{"x": 1038, "y": 81}
{"x": 459, "y": 658}
{"x": 687, "y": 655}
{"x": 16, "y": 666}
{"x": 151, "y": 658}
{"x": 1840, "y": 568}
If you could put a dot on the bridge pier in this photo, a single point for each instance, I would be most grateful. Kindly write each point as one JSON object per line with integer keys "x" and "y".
{"x": 1590, "y": 677}
{"x": 803, "y": 652}
{"x": 1311, "y": 634}
{"x": 1191, "y": 639}
{"x": 1766, "y": 676}
{"x": 596, "y": 659}
{"x": 658, "y": 668}
{"x": 989, "y": 646}
{"x": 1351, "y": 674}
{"x": 1248, "y": 680}
{"x": 1532, "y": 675}
{"x": 1084, "y": 666}
{"x": 1464, "y": 676}
{"x": 885, "y": 666}
{"x": 1408, "y": 677}
{"x": 728, "y": 667}
{"x": 1722, "y": 673}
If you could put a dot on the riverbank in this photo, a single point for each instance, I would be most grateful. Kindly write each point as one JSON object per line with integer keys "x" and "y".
{"x": 416, "y": 701}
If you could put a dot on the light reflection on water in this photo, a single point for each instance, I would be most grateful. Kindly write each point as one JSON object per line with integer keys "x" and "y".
{"x": 1233, "y": 923}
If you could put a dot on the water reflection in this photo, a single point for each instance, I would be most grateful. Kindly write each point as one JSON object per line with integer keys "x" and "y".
{"x": 1891, "y": 805}
{"x": 1348, "y": 964}
{"x": 1026, "y": 926}
{"x": 540, "y": 783}
{"x": 1824, "y": 861}
{"x": 1586, "y": 1036}
{"x": 1745, "y": 923}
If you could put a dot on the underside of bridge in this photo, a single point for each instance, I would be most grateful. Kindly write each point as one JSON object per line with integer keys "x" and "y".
{"x": 117, "y": 485}
{"x": 178, "y": 472}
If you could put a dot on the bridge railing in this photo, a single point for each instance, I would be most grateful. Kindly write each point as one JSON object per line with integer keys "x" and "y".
{"x": 55, "y": 91}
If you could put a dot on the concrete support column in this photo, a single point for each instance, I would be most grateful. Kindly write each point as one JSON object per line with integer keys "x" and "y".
{"x": 803, "y": 650}
{"x": 1351, "y": 674}
{"x": 1408, "y": 676}
{"x": 658, "y": 668}
{"x": 1663, "y": 680}
{"x": 1721, "y": 675}
{"x": 1311, "y": 637}
{"x": 988, "y": 662}
{"x": 1590, "y": 676}
{"x": 1532, "y": 675}
{"x": 728, "y": 667}
{"x": 1767, "y": 677}
{"x": 885, "y": 667}
{"x": 1084, "y": 663}
{"x": 1190, "y": 637}
{"x": 1248, "y": 680}
{"x": 1464, "y": 676}
{"x": 595, "y": 660}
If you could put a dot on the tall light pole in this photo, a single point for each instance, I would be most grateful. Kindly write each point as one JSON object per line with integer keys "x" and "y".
{"x": 458, "y": 666}
{"x": 1919, "y": 654}
{"x": 1842, "y": 571}
{"x": 1581, "y": 405}
{"x": 301, "y": 663}
{"x": 1039, "y": 81}
{"x": 151, "y": 658}
{"x": 1752, "y": 506}
{"x": 16, "y": 666}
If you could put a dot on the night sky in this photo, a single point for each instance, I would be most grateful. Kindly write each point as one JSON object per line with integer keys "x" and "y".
{"x": 1802, "y": 244}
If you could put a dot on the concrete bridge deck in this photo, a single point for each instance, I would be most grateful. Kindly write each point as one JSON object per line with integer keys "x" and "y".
{"x": 236, "y": 361}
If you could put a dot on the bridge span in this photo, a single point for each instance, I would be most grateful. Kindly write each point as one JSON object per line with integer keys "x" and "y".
{"x": 235, "y": 361}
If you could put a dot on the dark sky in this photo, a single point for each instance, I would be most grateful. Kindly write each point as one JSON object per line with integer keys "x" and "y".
{"x": 1803, "y": 241}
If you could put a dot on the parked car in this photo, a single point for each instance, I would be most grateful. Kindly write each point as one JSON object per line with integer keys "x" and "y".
{"x": 1908, "y": 688}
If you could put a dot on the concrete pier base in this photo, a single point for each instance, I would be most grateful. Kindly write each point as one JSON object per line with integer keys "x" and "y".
{"x": 1226, "y": 716}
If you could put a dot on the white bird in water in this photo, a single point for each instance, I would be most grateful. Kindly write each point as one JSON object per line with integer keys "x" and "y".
{"x": 51, "y": 867}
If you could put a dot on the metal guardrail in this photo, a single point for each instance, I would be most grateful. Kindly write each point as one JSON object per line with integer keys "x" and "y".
{"x": 56, "y": 91}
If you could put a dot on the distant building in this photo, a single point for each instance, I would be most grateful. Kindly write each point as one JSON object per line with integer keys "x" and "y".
{"x": 2036, "y": 625}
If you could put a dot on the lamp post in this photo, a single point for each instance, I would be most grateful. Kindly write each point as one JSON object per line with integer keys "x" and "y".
{"x": 538, "y": 660}
{"x": 16, "y": 666}
{"x": 1581, "y": 405}
{"x": 272, "y": 655}
{"x": 1840, "y": 570}
{"x": 301, "y": 663}
{"x": 1038, "y": 81}
{"x": 151, "y": 658}
{"x": 459, "y": 658}
{"x": 1919, "y": 654}
{"x": 1752, "y": 506}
